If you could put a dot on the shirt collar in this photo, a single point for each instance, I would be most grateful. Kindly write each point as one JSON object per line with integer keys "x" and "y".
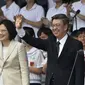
{"x": 63, "y": 40}
{"x": 33, "y": 7}
{"x": 11, "y": 6}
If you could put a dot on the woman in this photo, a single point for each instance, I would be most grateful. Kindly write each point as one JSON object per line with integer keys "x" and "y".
{"x": 13, "y": 64}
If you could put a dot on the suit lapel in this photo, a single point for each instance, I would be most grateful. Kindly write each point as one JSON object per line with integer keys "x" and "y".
{"x": 54, "y": 48}
{"x": 65, "y": 48}
{"x": 10, "y": 49}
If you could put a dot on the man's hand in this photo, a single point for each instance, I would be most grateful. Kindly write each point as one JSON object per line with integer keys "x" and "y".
{"x": 46, "y": 22}
{"x": 18, "y": 21}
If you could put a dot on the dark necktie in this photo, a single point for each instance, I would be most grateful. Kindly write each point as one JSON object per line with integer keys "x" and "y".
{"x": 57, "y": 45}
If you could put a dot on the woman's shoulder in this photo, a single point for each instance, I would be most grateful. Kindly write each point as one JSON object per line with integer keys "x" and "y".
{"x": 19, "y": 44}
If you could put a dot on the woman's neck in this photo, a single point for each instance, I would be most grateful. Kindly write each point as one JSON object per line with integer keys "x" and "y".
{"x": 6, "y": 43}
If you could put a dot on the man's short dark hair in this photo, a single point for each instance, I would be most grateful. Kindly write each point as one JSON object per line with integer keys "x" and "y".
{"x": 62, "y": 17}
{"x": 10, "y": 27}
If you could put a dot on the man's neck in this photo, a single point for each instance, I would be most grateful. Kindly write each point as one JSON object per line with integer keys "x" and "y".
{"x": 83, "y": 1}
{"x": 58, "y": 4}
{"x": 29, "y": 6}
{"x": 8, "y": 4}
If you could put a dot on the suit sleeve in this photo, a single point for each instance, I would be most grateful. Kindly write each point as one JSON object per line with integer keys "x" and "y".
{"x": 36, "y": 42}
{"x": 23, "y": 65}
{"x": 79, "y": 68}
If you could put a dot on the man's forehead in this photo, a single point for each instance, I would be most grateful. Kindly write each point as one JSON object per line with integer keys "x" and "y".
{"x": 57, "y": 21}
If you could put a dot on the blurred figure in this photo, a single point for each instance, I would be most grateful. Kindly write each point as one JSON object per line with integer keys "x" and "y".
{"x": 44, "y": 4}
{"x": 10, "y": 10}
{"x": 32, "y": 14}
{"x": 75, "y": 34}
{"x": 81, "y": 37}
{"x": 2, "y": 17}
{"x": 35, "y": 59}
{"x": 13, "y": 61}
{"x": 58, "y": 8}
{"x": 51, "y": 3}
{"x": 44, "y": 33}
{"x": 79, "y": 19}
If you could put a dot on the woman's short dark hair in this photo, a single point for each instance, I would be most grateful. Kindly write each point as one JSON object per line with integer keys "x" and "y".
{"x": 10, "y": 27}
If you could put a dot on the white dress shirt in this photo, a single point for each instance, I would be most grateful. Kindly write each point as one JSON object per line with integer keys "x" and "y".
{"x": 62, "y": 43}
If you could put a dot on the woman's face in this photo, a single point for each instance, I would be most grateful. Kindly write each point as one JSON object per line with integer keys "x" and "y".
{"x": 4, "y": 35}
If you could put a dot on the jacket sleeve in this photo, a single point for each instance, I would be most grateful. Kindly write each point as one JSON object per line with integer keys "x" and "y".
{"x": 23, "y": 65}
{"x": 36, "y": 42}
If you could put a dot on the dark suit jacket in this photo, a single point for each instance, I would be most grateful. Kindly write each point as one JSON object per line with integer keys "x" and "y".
{"x": 60, "y": 67}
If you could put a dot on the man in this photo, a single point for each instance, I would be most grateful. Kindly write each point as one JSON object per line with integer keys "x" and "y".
{"x": 60, "y": 65}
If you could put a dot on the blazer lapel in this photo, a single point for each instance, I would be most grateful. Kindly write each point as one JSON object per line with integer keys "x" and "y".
{"x": 1, "y": 56}
{"x": 10, "y": 49}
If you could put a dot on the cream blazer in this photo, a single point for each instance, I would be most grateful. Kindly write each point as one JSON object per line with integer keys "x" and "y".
{"x": 14, "y": 68}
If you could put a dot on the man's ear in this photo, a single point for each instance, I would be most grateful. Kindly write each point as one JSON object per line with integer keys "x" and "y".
{"x": 66, "y": 27}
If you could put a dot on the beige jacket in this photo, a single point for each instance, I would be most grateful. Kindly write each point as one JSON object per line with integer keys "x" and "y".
{"x": 14, "y": 68}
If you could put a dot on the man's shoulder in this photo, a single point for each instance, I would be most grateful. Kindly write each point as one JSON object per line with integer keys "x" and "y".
{"x": 73, "y": 40}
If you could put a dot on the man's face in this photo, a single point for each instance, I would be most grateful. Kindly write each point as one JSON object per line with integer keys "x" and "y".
{"x": 59, "y": 29}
